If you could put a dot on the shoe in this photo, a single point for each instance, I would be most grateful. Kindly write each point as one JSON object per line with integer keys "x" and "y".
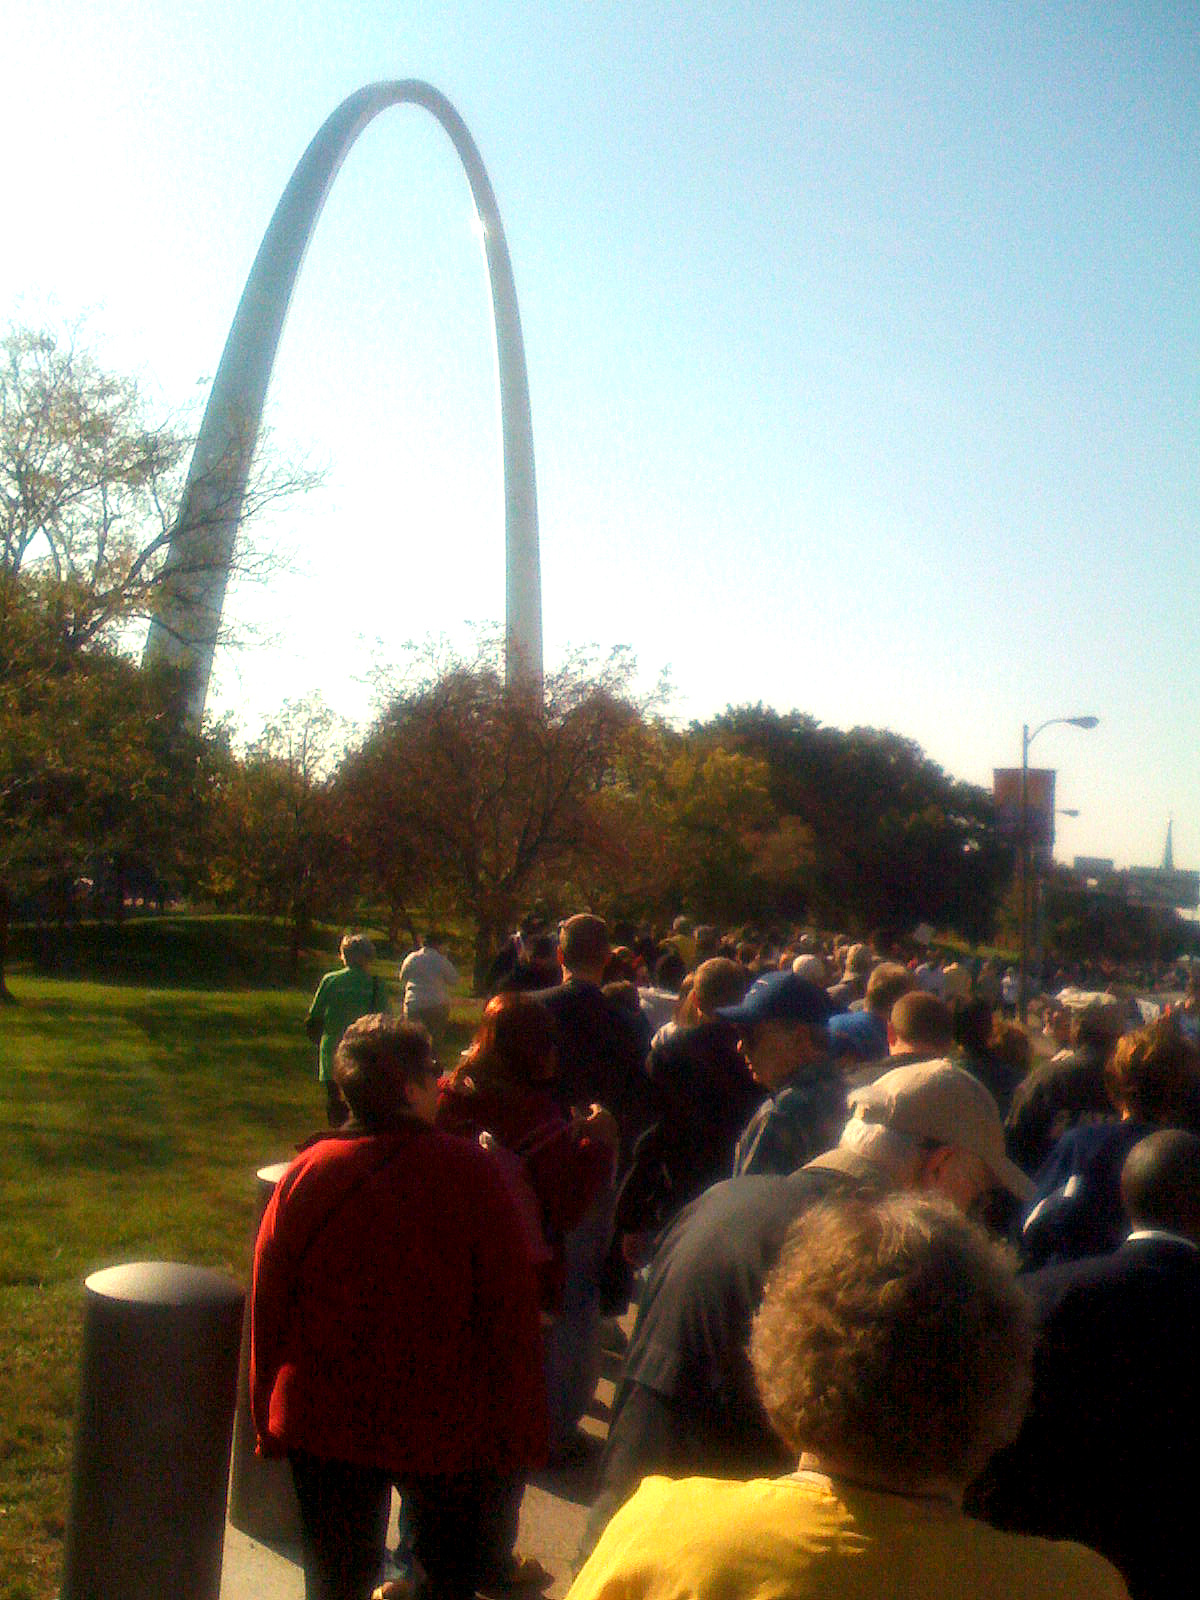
{"x": 614, "y": 1341}
{"x": 519, "y": 1572}
{"x": 573, "y": 1450}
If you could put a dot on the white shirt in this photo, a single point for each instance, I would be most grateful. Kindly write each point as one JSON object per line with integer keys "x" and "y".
{"x": 427, "y": 975}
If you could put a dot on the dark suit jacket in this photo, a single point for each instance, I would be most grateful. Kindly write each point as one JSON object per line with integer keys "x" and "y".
{"x": 700, "y": 1096}
{"x": 1110, "y": 1452}
{"x": 599, "y": 1051}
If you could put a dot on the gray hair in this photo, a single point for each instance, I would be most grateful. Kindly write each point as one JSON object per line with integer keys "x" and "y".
{"x": 893, "y": 1338}
{"x": 356, "y": 949}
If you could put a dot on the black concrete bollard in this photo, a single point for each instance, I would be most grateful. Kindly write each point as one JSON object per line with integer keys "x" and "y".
{"x": 152, "y": 1435}
{"x": 262, "y": 1497}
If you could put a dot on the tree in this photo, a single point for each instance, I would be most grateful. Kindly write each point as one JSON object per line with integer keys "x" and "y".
{"x": 487, "y": 789}
{"x": 1096, "y": 926}
{"x": 89, "y": 484}
{"x": 276, "y": 845}
{"x": 99, "y": 780}
{"x": 894, "y": 840}
{"x": 684, "y": 819}
{"x": 94, "y": 761}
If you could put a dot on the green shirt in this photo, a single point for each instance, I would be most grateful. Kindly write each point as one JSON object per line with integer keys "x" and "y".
{"x": 341, "y": 998}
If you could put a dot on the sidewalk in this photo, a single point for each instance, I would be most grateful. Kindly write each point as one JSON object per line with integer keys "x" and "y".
{"x": 551, "y": 1527}
{"x": 254, "y": 1571}
{"x": 553, "y": 1514}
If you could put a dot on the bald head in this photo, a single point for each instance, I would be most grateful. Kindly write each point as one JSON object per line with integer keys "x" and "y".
{"x": 1160, "y": 1182}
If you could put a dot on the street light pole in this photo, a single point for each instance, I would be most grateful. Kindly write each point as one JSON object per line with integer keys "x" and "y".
{"x": 1024, "y": 843}
{"x": 1027, "y": 739}
{"x": 1038, "y": 898}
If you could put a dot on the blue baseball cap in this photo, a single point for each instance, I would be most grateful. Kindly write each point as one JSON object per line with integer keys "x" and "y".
{"x": 781, "y": 997}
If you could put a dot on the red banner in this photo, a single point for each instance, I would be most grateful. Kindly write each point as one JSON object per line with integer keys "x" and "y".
{"x": 1039, "y": 808}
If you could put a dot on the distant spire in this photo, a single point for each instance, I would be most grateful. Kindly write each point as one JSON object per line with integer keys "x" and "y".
{"x": 1169, "y": 851}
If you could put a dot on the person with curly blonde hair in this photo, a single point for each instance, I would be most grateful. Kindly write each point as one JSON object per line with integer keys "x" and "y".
{"x": 893, "y": 1354}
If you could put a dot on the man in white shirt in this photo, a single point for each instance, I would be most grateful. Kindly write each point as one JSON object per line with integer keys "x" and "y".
{"x": 426, "y": 976}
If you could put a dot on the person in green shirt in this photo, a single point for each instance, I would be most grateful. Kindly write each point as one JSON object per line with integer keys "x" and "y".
{"x": 341, "y": 998}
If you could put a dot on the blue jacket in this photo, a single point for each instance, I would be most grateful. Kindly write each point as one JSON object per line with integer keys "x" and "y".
{"x": 802, "y": 1119}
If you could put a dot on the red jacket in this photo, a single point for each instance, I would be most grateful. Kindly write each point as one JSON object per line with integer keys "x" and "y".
{"x": 394, "y": 1310}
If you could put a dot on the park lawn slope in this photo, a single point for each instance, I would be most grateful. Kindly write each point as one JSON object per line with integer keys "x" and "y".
{"x": 132, "y": 1121}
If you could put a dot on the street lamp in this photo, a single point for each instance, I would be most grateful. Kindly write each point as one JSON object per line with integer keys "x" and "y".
{"x": 1039, "y": 896}
{"x": 1027, "y": 739}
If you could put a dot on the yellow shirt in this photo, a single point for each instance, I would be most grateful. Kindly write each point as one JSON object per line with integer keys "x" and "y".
{"x": 802, "y": 1538}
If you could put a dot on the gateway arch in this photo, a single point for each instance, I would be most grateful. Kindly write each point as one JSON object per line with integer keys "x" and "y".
{"x": 183, "y": 631}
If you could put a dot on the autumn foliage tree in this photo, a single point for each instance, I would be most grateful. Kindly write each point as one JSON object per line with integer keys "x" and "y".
{"x": 683, "y": 819}
{"x": 482, "y": 792}
{"x": 892, "y": 840}
{"x": 95, "y": 764}
{"x": 275, "y": 843}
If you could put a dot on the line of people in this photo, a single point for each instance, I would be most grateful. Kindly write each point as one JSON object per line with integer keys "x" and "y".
{"x": 846, "y": 1091}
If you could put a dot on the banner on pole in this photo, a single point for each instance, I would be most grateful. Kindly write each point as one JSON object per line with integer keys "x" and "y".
{"x": 1039, "y": 808}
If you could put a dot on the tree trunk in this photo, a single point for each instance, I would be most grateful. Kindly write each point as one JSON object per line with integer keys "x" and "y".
{"x": 119, "y": 880}
{"x": 486, "y": 945}
{"x": 400, "y": 920}
{"x": 7, "y": 998}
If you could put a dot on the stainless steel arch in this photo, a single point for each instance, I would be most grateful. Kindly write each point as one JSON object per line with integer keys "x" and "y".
{"x": 184, "y": 629}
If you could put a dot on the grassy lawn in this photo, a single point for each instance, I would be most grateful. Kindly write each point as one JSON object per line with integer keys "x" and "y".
{"x": 132, "y": 1120}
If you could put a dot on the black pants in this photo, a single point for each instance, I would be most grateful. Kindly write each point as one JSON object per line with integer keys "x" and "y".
{"x": 456, "y": 1523}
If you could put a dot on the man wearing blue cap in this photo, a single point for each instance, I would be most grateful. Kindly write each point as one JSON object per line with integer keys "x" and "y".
{"x": 783, "y": 1032}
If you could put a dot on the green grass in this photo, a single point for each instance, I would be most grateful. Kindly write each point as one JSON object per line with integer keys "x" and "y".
{"x": 132, "y": 1120}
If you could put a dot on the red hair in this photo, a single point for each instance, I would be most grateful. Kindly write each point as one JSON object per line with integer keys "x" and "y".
{"x": 514, "y": 1044}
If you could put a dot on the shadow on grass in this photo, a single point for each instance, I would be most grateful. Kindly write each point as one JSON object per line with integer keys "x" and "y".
{"x": 177, "y": 952}
{"x": 106, "y": 1149}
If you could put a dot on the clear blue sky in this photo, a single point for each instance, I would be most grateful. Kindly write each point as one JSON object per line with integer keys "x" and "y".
{"x": 862, "y": 343}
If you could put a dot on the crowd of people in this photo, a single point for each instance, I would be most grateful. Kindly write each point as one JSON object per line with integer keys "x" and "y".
{"x": 915, "y": 1300}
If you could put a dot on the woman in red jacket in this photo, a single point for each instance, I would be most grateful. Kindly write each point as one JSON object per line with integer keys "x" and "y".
{"x": 395, "y": 1330}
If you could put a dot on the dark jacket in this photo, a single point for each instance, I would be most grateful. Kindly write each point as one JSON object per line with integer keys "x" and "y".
{"x": 1077, "y": 1209}
{"x": 1053, "y": 1098}
{"x": 1000, "y": 1078}
{"x": 700, "y": 1098}
{"x": 689, "y": 1344}
{"x": 1109, "y": 1454}
{"x": 804, "y": 1117}
{"x": 599, "y": 1053}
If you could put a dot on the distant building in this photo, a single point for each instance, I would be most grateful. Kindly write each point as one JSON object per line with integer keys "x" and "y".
{"x": 1167, "y": 886}
{"x": 1094, "y": 867}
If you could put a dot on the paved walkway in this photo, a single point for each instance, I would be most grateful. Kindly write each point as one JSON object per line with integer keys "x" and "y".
{"x": 553, "y": 1514}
